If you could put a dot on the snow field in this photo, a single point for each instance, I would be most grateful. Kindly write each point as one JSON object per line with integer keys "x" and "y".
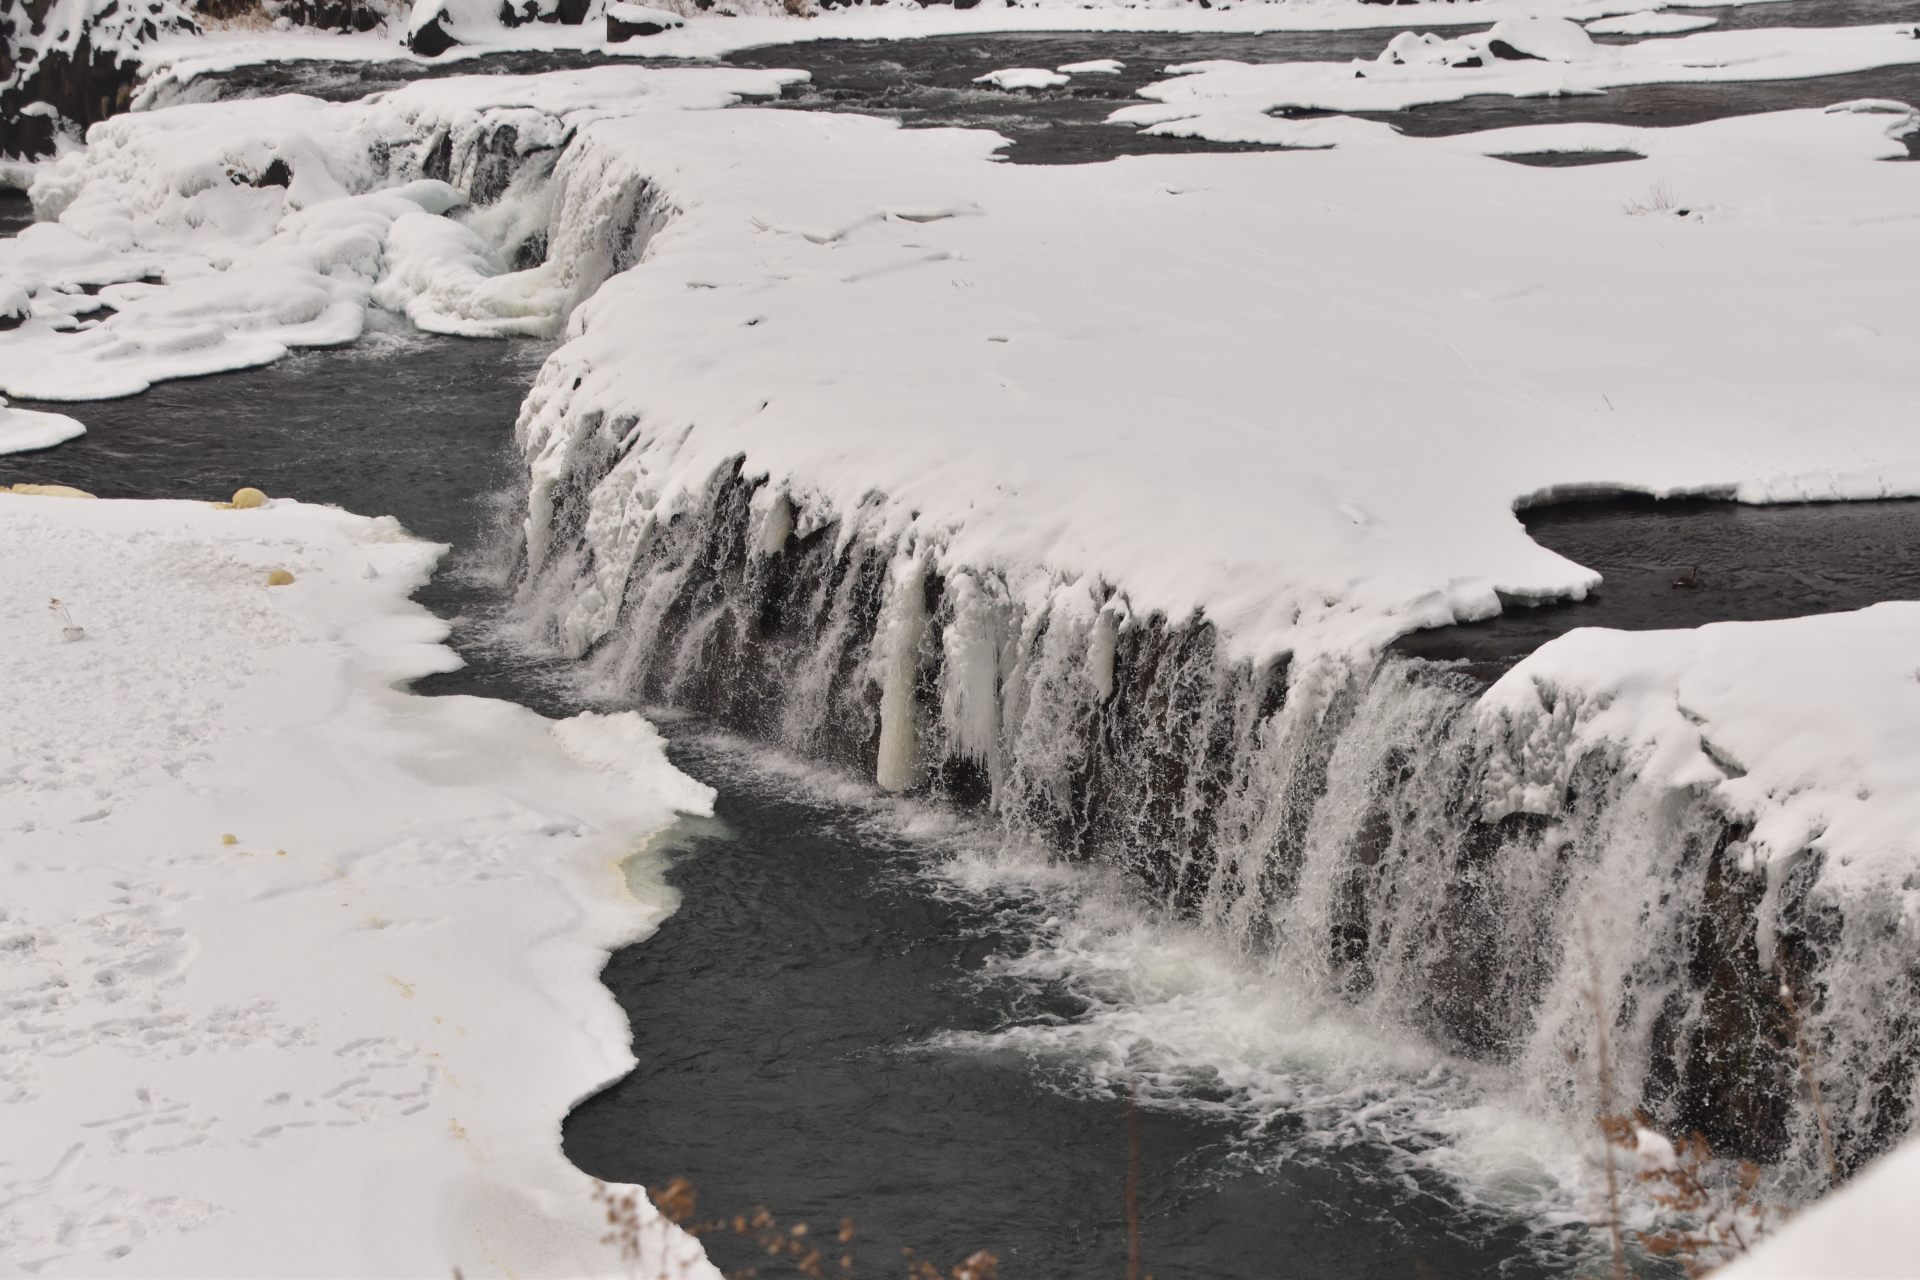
{"x": 301, "y": 970}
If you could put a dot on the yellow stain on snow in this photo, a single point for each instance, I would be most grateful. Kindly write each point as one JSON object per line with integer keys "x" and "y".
{"x": 406, "y": 988}
{"x": 47, "y": 491}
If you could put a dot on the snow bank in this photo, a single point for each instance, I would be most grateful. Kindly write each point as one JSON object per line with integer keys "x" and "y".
{"x": 1867, "y": 1230}
{"x": 1348, "y": 474}
{"x": 1095, "y": 67}
{"x": 22, "y": 430}
{"x": 215, "y": 239}
{"x": 1527, "y": 57}
{"x": 302, "y": 969}
{"x": 1807, "y": 729}
{"x": 1312, "y": 423}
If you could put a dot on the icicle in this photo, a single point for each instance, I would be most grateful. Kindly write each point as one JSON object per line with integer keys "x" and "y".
{"x": 903, "y": 624}
{"x": 777, "y": 526}
{"x": 1100, "y": 652}
{"x": 970, "y": 674}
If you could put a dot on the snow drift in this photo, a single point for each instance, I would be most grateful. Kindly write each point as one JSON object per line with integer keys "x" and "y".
{"x": 303, "y": 969}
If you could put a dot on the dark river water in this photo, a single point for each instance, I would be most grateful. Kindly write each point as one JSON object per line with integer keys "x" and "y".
{"x": 863, "y": 1009}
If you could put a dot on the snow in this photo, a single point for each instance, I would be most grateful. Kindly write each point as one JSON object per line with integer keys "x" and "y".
{"x": 1096, "y": 67}
{"x": 1866, "y": 1230}
{"x": 302, "y": 970}
{"x": 1549, "y": 39}
{"x": 1022, "y": 78}
{"x": 1809, "y": 729}
{"x": 23, "y": 430}
{"x": 1649, "y": 22}
{"x": 1230, "y": 101}
{"x": 209, "y": 267}
{"x": 1313, "y": 422}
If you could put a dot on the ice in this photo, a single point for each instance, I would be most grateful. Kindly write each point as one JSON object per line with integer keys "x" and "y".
{"x": 301, "y": 969}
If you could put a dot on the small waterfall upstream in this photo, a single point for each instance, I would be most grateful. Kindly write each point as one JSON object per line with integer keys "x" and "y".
{"x": 1351, "y": 826}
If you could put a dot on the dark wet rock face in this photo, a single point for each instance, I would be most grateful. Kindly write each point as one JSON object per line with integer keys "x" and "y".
{"x": 623, "y": 27}
{"x": 431, "y": 38}
{"x": 82, "y": 87}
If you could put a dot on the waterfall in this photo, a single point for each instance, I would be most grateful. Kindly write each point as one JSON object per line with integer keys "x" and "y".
{"x": 1361, "y": 826}
{"x": 1364, "y": 827}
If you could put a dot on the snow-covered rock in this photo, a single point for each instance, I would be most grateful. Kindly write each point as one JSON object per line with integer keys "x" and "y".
{"x": 1014, "y": 78}
{"x": 303, "y": 969}
{"x": 1545, "y": 39}
{"x": 67, "y": 63}
{"x": 1093, "y": 67}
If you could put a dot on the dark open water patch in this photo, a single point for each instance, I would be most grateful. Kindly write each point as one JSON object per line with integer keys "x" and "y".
{"x": 401, "y": 423}
{"x": 16, "y": 212}
{"x": 1569, "y": 159}
{"x": 928, "y": 83}
{"x": 1737, "y": 563}
{"x": 1658, "y": 105}
{"x": 1807, "y": 13}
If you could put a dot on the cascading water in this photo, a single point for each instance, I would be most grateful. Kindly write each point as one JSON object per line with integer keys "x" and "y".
{"x": 1362, "y": 829}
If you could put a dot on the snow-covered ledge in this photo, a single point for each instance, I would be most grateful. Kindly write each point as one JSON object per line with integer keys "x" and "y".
{"x": 300, "y": 970}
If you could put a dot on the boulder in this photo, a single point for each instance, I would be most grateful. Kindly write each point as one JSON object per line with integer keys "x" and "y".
{"x": 626, "y": 21}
